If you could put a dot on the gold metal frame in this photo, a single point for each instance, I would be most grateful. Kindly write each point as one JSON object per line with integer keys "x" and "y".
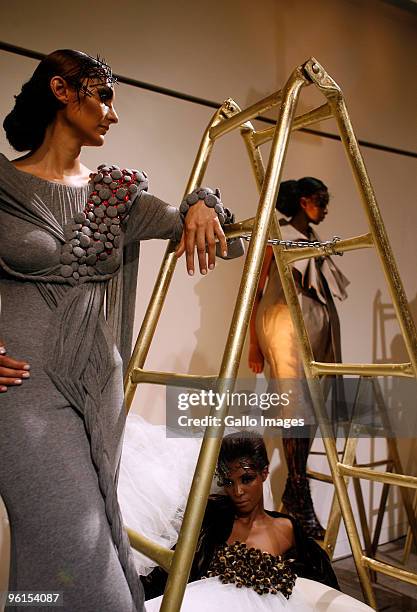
{"x": 263, "y": 226}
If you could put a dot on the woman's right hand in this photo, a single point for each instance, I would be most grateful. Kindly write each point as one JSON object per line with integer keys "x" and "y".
{"x": 256, "y": 358}
{"x": 12, "y": 372}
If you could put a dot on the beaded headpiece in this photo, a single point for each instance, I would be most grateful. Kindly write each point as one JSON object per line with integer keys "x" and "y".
{"x": 223, "y": 469}
{"x": 88, "y": 69}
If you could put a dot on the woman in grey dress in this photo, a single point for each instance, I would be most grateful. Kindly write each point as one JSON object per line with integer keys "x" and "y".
{"x": 65, "y": 234}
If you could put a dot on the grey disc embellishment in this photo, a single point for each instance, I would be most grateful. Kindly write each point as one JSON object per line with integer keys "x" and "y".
{"x": 94, "y": 233}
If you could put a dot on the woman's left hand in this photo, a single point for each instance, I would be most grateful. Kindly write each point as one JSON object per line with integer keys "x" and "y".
{"x": 201, "y": 228}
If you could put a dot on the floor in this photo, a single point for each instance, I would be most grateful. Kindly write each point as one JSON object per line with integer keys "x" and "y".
{"x": 392, "y": 595}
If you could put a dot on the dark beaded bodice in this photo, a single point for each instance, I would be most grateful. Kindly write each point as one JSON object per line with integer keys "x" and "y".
{"x": 250, "y": 567}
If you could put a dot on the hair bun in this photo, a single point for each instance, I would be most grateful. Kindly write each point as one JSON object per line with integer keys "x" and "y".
{"x": 288, "y": 198}
{"x": 291, "y": 192}
{"x": 26, "y": 123}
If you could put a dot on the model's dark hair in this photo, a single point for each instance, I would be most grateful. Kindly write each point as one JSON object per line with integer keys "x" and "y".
{"x": 291, "y": 192}
{"x": 36, "y": 105}
{"x": 247, "y": 445}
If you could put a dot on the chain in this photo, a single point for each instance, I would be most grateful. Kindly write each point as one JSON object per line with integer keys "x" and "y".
{"x": 328, "y": 246}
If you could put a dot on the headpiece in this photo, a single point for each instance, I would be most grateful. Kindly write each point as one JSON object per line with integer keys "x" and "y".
{"x": 87, "y": 69}
{"x": 223, "y": 469}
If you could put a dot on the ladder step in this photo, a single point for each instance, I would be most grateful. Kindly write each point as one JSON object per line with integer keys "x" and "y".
{"x": 328, "y": 478}
{"x": 161, "y": 555}
{"x": 387, "y": 462}
{"x": 363, "y": 369}
{"x": 193, "y": 381}
{"x": 400, "y": 480}
{"x": 237, "y": 230}
{"x": 237, "y": 119}
{"x": 365, "y": 241}
{"x": 319, "y": 476}
{"x": 390, "y": 570}
{"x": 323, "y": 453}
{"x": 320, "y": 113}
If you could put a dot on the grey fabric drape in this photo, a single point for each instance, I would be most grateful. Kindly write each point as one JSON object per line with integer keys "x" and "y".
{"x": 78, "y": 361}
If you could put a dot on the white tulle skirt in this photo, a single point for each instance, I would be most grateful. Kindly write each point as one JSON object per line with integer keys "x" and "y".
{"x": 210, "y": 594}
{"x": 154, "y": 481}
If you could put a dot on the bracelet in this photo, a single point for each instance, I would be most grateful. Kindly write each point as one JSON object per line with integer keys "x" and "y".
{"x": 235, "y": 247}
{"x": 210, "y": 198}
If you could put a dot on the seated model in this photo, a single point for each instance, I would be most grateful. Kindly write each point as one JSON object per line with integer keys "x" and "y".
{"x": 243, "y": 545}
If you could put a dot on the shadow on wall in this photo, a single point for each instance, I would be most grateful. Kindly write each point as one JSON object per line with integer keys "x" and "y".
{"x": 407, "y": 447}
{"x": 388, "y": 346}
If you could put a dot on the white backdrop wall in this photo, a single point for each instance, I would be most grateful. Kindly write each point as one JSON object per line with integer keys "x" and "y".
{"x": 216, "y": 50}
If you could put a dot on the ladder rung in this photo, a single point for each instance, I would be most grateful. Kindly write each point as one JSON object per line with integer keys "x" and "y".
{"x": 401, "y": 480}
{"x": 363, "y": 369}
{"x": 161, "y": 555}
{"x": 364, "y": 241}
{"x": 320, "y": 113}
{"x": 375, "y": 463}
{"x": 327, "y": 477}
{"x": 390, "y": 570}
{"x": 193, "y": 381}
{"x": 319, "y": 476}
{"x": 323, "y": 453}
{"x": 237, "y": 230}
{"x": 238, "y": 119}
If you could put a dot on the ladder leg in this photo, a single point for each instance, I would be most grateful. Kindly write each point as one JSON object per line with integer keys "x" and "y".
{"x": 409, "y": 536}
{"x": 364, "y": 522}
{"x": 200, "y": 487}
{"x": 349, "y": 453}
{"x": 333, "y": 525}
{"x": 380, "y": 517}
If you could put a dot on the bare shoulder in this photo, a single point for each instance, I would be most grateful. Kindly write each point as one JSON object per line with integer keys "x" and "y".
{"x": 283, "y": 529}
{"x": 20, "y": 162}
{"x": 283, "y": 523}
{"x": 78, "y": 177}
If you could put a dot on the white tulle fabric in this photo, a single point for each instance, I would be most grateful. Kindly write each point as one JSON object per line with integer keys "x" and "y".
{"x": 210, "y": 594}
{"x": 154, "y": 481}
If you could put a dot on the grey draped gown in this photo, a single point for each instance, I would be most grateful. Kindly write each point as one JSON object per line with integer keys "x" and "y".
{"x": 61, "y": 430}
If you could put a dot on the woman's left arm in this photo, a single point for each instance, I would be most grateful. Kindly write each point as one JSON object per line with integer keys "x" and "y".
{"x": 152, "y": 218}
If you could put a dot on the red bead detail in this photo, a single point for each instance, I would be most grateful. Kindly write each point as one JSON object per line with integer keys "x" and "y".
{"x": 126, "y": 198}
{"x": 105, "y": 202}
{"x": 109, "y": 252}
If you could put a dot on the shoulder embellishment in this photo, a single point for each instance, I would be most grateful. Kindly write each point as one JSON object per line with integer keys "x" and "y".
{"x": 95, "y": 231}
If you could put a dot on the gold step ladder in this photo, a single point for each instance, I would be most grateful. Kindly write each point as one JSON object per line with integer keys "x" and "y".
{"x": 253, "y": 141}
{"x": 229, "y": 117}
